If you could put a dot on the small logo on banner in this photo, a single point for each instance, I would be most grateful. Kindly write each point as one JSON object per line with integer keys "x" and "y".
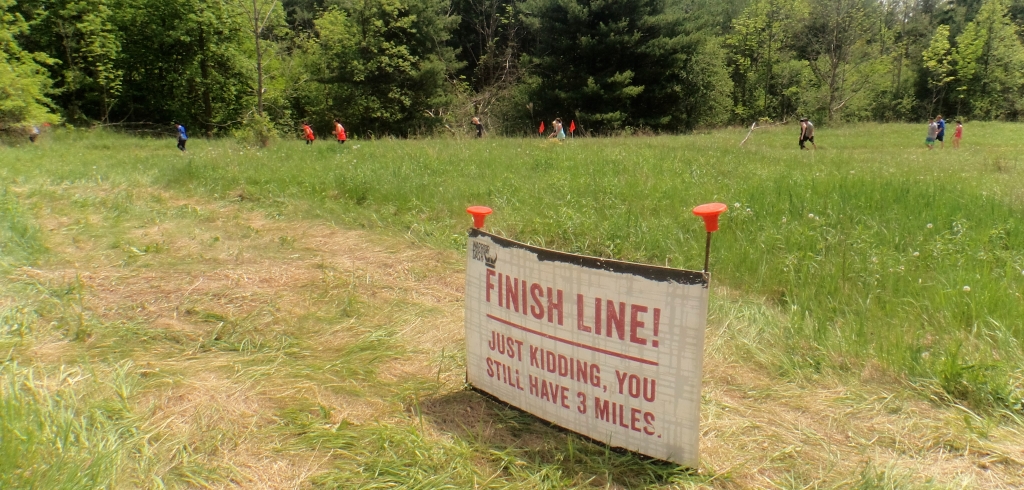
{"x": 482, "y": 253}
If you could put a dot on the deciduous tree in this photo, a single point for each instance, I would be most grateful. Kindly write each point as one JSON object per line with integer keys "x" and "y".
{"x": 938, "y": 63}
{"x": 765, "y": 71}
{"x": 989, "y": 61}
{"x": 23, "y": 80}
{"x": 382, "y": 65}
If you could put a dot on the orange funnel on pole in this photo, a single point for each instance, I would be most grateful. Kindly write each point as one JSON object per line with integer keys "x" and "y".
{"x": 479, "y": 215}
{"x": 710, "y": 212}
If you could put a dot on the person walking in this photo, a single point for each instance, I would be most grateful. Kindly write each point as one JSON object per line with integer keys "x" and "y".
{"x": 942, "y": 130}
{"x": 308, "y": 131}
{"x": 33, "y": 135}
{"x": 339, "y": 130}
{"x": 933, "y": 131}
{"x": 957, "y": 134}
{"x": 806, "y": 133}
{"x": 182, "y": 136}
{"x": 479, "y": 127}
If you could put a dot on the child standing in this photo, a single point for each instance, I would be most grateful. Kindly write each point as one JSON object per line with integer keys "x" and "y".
{"x": 959, "y": 133}
{"x": 308, "y": 133}
{"x": 933, "y": 131}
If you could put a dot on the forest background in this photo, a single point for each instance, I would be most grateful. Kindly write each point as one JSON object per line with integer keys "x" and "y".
{"x": 421, "y": 67}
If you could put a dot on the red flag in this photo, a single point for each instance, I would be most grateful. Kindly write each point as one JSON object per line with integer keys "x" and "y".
{"x": 541, "y": 130}
{"x": 572, "y": 126}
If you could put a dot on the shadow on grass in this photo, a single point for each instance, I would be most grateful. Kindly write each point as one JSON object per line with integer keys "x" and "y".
{"x": 531, "y": 447}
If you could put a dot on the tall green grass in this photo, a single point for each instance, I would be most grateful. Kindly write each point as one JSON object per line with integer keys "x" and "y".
{"x": 20, "y": 240}
{"x": 67, "y": 429}
{"x": 873, "y": 248}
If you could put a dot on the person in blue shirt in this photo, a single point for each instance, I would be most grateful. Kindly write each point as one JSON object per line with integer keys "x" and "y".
{"x": 182, "y": 137}
{"x": 942, "y": 130}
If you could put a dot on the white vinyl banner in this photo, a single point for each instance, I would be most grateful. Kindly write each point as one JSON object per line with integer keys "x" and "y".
{"x": 609, "y": 349}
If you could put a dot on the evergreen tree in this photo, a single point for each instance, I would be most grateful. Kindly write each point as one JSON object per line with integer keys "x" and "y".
{"x": 612, "y": 65}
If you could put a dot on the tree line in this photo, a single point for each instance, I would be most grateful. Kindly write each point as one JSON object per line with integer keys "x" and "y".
{"x": 409, "y": 67}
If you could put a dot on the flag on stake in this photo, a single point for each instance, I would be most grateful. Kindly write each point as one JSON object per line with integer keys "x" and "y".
{"x": 541, "y": 130}
{"x": 572, "y": 126}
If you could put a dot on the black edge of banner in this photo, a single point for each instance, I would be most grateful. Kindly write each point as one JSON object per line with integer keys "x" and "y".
{"x": 651, "y": 272}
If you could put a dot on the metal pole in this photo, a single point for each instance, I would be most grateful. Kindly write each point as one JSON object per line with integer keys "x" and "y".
{"x": 707, "y": 253}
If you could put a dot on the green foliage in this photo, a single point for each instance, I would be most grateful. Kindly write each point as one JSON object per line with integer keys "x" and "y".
{"x": 410, "y": 67}
{"x": 257, "y": 131}
{"x": 489, "y": 36}
{"x": 989, "y": 61}
{"x": 85, "y": 41}
{"x": 937, "y": 62}
{"x": 64, "y": 430}
{"x": 380, "y": 66}
{"x": 842, "y": 54}
{"x": 183, "y": 61}
{"x": 768, "y": 76}
{"x": 980, "y": 385}
{"x": 20, "y": 242}
{"x": 23, "y": 80}
{"x": 613, "y": 65}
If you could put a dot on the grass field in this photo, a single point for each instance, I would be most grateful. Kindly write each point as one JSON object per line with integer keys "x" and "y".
{"x": 291, "y": 316}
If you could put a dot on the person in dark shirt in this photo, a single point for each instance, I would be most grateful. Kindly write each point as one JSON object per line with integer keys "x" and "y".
{"x": 942, "y": 130}
{"x": 479, "y": 127}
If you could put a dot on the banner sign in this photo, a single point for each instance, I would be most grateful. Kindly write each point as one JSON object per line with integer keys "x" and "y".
{"x": 608, "y": 349}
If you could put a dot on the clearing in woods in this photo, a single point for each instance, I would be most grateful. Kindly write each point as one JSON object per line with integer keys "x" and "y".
{"x": 269, "y": 353}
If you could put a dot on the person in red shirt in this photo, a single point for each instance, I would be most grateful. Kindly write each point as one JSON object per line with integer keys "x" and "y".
{"x": 340, "y": 131}
{"x": 959, "y": 133}
{"x": 309, "y": 133}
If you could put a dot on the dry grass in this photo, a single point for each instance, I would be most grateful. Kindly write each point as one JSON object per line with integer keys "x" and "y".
{"x": 765, "y": 431}
{"x": 240, "y": 325}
